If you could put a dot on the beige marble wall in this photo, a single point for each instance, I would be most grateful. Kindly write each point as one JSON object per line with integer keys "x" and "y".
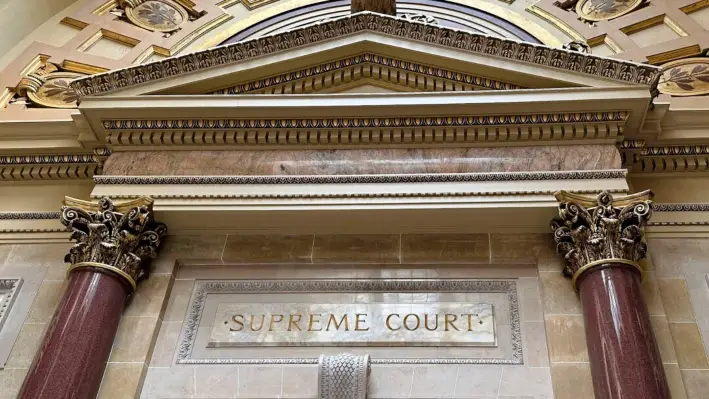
{"x": 42, "y": 268}
{"x": 681, "y": 267}
{"x": 342, "y": 256}
{"x": 554, "y": 344}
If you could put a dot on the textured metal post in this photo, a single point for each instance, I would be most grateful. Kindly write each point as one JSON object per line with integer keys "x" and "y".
{"x": 343, "y": 376}
{"x": 114, "y": 246}
{"x": 380, "y": 6}
{"x": 601, "y": 241}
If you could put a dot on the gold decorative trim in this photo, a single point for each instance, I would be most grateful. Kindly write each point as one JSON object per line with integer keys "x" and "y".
{"x": 605, "y": 231}
{"x": 588, "y": 16}
{"x": 557, "y": 22}
{"x": 678, "y": 80}
{"x": 103, "y": 266}
{"x": 122, "y": 207}
{"x": 610, "y": 261}
{"x": 587, "y": 202}
{"x": 130, "y": 7}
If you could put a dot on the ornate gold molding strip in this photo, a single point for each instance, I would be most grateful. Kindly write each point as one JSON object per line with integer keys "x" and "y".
{"x": 363, "y": 131}
{"x": 29, "y": 215}
{"x": 364, "y": 179}
{"x": 343, "y": 123}
{"x": 680, "y": 207}
{"x": 359, "y": 195}
{"x": 461, "y": 40}
{"x": 364, "y": 65}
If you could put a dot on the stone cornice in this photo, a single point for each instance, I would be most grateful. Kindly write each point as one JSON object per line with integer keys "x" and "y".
{"x": 620, "y": 70}
{"x": 52, "y": 166}
{"x": 641, "y": 157}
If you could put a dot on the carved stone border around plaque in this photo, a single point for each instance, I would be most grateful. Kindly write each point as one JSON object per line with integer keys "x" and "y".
{"x": 9, "y": 287}
{"x": 204, "y": 288}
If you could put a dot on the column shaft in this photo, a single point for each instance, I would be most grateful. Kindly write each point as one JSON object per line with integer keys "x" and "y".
{"x": 76, "y": 346}
{"x": 625, "y": 360}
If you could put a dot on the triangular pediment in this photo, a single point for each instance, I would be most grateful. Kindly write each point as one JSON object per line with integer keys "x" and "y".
{"x": 376, "y": 50}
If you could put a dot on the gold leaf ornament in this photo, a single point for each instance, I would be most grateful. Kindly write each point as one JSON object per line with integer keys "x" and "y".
{"x": 601, "y": 10}
{"x": 687, "y": 77}
{"x": 155, "y": 15}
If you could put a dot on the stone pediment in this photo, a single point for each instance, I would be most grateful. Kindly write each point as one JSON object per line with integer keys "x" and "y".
{"x": 362, "y": 47}
{"x": 367, "y": 80}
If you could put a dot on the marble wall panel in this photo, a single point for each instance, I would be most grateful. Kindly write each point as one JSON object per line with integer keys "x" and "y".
{"x": 362, "y": 162}
{"x": 166, "y": 378}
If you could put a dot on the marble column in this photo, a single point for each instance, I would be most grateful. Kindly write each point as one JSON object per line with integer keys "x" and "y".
{"x": 601, "y": 240}
{"x": 114, "y": 245}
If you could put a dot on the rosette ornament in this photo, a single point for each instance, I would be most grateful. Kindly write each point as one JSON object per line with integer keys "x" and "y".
{"x": 119, "y": 238}
{"x": 602, "y": 232}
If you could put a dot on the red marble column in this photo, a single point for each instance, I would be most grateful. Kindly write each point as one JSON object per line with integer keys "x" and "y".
{"x": 601, "y": 240}
{"x": 624, "y": 356}
{"x": 114, "y": 245}
{"x": 73, "y": 356}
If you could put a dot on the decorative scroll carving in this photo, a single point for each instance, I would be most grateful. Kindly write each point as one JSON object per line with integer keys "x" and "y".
{"x": 117, "y": 237}
{"x": 608, "y": 230}
{"x": 343, "y": 376}
{"x": 47, "y": 86}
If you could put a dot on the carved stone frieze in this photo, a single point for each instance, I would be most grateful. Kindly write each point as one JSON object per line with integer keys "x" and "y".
{"x": 638, "y": 156}
{"x": 121, "y": 238}
{"x": 591, "y": 233}
{"x": 53, "y": 166}
{"x": 367, "y": 22}
{"x": 368, "y": 65}
{"x": 343, "y": 376}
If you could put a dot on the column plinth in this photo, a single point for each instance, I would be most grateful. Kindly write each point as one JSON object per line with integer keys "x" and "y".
{"x": 114, "y": 246}
{"x": 602, "y": 240}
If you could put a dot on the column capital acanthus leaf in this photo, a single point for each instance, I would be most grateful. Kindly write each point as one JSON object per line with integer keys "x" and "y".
{"x": 121, "y": 237}
{"x": 592, "y": 232}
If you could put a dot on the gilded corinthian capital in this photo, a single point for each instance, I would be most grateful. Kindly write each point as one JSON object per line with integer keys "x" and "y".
{"x": 595, "y": 232}
{"x": 118, "y": 237}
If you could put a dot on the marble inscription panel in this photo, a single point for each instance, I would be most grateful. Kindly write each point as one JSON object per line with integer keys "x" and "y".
{"x": 218, "y": 306}
{"x": 347, "y": 324}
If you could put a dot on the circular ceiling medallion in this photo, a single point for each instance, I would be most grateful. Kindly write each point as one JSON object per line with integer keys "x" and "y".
{"x": 157, "y": 15}
{"x": 55, "y": 91}
{"x": 688, "y": 77}
{"x": 599, "y": 10}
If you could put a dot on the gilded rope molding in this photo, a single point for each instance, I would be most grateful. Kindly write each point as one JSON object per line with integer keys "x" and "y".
{"x": 366, "y": 179}
{"x": 462, "y": 40}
